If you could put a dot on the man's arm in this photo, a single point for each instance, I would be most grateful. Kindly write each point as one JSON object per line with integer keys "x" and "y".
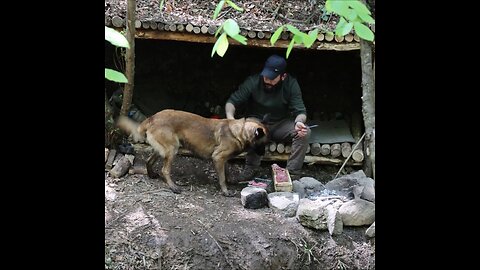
{"x": 230, "y": 110}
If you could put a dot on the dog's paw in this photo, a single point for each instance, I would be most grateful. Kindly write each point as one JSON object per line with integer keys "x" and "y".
{"x": 176, "y": 189}
{"x": 229, "y": 193}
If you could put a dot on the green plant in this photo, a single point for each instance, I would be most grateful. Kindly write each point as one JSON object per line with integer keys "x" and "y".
{"x": 353, "y": 14}
{"x": 229, "y": 27}
{"x": 119, "y": 40}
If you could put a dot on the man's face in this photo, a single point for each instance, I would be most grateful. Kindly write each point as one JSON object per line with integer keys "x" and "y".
{"x": 270, "y": 84}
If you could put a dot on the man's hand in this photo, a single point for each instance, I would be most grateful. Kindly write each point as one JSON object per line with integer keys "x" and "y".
{"x": 301, "y": 129}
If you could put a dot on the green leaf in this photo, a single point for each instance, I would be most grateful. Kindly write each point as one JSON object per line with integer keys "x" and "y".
{"x": 351, "y": 15}
{"x": 293, "y": 29}
{"x": 359, "y": 7}
{"x": 345, "y": 30}
{"x": 340, "y": 24}
{"x": 215, "y": 46}
{"x": 161, "y": 5}
{"x": 218, "y": 30}
{"x": 218, "y": 8}
{"x": 339, "y": 7}
{"x": 290, "y": 47}
{"x": 298, "y": 39}
{"x": 234, "y": 6}
{"x": 115, "y": 76}
{"x": 363, "y": 31}
{"x": 312, "y": 37}
{"x": 240, "y": 39}
{"x": 116, "y": 38}
{"x": 231, "y": 27}
{"x": 366, "y": 18}
{"x": 276, "y": 35}
{"x": 223, "y": 45}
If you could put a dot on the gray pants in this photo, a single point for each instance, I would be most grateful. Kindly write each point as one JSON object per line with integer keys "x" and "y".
{"x": 284, "y": 131}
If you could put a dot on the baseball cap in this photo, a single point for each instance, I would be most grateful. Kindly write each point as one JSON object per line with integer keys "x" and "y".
{"x": 274, "y": 66}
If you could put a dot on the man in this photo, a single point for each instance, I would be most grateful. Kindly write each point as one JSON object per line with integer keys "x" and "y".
{"x": 276, "y": 93}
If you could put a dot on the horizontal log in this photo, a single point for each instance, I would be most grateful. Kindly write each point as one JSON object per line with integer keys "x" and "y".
{"x": 265, "y": 43}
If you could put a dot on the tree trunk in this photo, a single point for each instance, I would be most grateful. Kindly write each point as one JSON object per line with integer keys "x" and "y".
{"x": 368, "y": 106}
{"x": 129, "y": 58}
{"x": 112, "y": 135}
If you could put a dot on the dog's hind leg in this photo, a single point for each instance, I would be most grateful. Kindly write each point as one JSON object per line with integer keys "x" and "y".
{"x": 167, "y": 165}
{"x": 150, "y": 162}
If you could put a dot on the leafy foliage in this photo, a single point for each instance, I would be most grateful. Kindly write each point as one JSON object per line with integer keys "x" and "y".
{"x": 353, "y": 13}
{"x": 229, "y": 27}
{"x": 119, "y": 40}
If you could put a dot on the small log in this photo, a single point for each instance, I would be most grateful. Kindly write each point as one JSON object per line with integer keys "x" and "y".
{"x": 320, "y": 37}
{"x": 325, "y": 149}
{"x": 189, "y": 28}
{"x": 180, "y": 27}
{"x": 346, "y": 149}
{"x": 252, "y": 34}
{"x": 117, "y": 21}
{"x": 356, "y": 38}
{"x": 272, "y": 147}
{"x": 288, "y": 149}
{"x": 212, "y": 29}
{"x": 335, "y": 150}
{"x": 204, "y": 29}
{"x": 166, "y": 27}
{"x": 145, "y": 25}
{"x": 196, "y": 30}
{"x": 153, "y": 25}
{"x": 172, "y": 27}
{"x": 315, "y": 149}
{"x": 268, "y": 35}
{"x": 138, "y": 24}
{"x": 284, "y": 35}
{"x": 160, "y": 26}
{"x": 280, "y": 148}
{"x": 121, "y": 168}
{"x": 308, "y": 149}
{"x": 108, "y": 21}
{"x": 348, "y": 37}
{"x": 260, "y": 35}
{"x": 339, "y": 38}
{"x": 357, "y": 154}
{"x": 329, "y": 36}
{"x": 243, "y": 32}
{"x": 139, "y": 167}
{"x": 110, "y": 159}
{"x": 107, "y": 151}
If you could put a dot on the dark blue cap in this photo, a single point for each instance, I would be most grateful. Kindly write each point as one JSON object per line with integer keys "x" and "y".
{"x": 274, "y": 66}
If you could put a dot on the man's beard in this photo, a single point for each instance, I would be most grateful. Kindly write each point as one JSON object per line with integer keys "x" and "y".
{"x": 273, "y": 88}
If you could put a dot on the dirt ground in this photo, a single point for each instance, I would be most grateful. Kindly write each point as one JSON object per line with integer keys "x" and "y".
{"x": 149, "y": 227}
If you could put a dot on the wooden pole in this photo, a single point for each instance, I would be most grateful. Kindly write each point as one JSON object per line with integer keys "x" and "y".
{"x": 129, "y": 58}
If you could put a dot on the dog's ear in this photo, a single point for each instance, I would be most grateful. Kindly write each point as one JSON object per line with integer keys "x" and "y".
{"x": 259, "y": 133}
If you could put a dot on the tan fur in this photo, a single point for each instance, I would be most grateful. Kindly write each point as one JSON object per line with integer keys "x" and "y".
{"x": 216, "y": 139}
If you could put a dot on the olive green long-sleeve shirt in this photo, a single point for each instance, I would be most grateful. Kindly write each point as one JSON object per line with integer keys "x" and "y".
{"x": 282, "y": 103}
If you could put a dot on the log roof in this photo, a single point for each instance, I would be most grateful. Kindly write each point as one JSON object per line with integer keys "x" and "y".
{"x": 180, "y": 19}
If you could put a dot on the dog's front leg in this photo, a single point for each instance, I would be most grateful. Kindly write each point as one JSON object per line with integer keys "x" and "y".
{"x": 219, "y": 162}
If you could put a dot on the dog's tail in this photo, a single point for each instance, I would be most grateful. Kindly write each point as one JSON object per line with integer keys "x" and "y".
{"x": 132, "y": 128}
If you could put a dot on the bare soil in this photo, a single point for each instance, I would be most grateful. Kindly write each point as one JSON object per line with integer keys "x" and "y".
{"x": 149, "y": 227}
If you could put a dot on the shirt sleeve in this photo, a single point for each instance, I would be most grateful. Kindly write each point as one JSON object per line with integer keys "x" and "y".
{"x": 243, "y": 92}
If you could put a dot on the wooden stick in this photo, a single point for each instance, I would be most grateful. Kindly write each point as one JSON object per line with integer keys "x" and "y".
{"x": 345, "y": 162}
{"x": 218, "y": 245}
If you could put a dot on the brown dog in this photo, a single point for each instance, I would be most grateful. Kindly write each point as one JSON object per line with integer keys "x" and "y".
{"x": 216, "y": 139}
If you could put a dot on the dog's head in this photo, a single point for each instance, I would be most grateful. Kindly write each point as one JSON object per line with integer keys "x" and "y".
{"x": 257, "y": 133}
